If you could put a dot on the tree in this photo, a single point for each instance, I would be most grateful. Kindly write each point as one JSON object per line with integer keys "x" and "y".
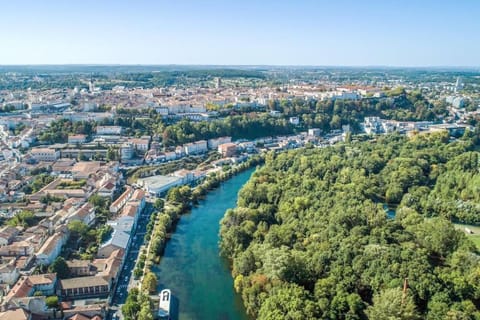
{"x": 149, "y": 283}
{"x": 159, "y": 203}
{"x": 52, "y": 303}
{"x": 145, "y": 312}
{"x": 390, "y": 304}
{"x": 60, "y": 267}
{"x": 131, "y": 307}
{"x": 78, "y": 228}
{"x": 289, "y": 302}
{"x": 97, "y": 201}
{"x": 112, "y": 154}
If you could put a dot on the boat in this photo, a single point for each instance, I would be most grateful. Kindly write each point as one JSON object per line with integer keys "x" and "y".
{"x": 164, "y": 304}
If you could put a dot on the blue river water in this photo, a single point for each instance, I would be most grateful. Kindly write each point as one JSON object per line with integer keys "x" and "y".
{"x": 200, "y": 280}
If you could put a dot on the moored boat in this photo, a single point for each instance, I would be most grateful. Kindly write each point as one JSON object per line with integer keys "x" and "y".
{"x": 164, "y": 304}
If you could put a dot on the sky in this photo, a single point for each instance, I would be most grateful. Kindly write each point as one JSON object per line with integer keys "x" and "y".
{"x": 243, "y": 32}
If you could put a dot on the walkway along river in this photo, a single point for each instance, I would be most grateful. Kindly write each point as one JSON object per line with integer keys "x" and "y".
{"x": 191, "y": 267}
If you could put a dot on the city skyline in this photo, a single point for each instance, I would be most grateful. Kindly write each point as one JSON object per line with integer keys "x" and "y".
{"x": 304, "y": 33}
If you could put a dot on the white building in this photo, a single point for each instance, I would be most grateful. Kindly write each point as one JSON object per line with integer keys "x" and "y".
{"x": 109, "y": 130}
{"x": 45, "y": 154}
{"x": 9, "y": 273}
{"x": 159, "y": 185}
{"x": 196, "y": 147}
{"x": 51, "y": 249}
{"x": 127, "y": 151}
{"x": 141, "y": 144}
{"x": 455, "y": 101}
{"x": 294, "y": 120}
{"x": 214, "y": 143}
{"x": 77, "y": 138}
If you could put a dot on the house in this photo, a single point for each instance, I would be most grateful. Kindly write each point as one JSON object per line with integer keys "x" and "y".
{"x": 138, "y": 198}
{"x": 17, "y": 249}
{"x": 169, "y": 156}
{"x": 227, "y": 149}
{"x": 84, "y": 287}
{"x": 294, "y": 120}
{"x": 7, "y": 234}
{"x": 141, "y": 144}
{"x": 85, "y": 214}
{"x": 107, "y": 190}
{"x": 80, "y": 316}
{"x": 120, "y": 237}
{"x": 81, "y": 268}
{"x": 51, "y": 249}
{"x": 16, "y": 314}
{"x": 314, "y": 132}
{"x": 110, "y": 267}
{"x": 77, "y": 138}
{"x": 63, "y": 166}
{"x": 26, "y": 286}
{"x": 83, "y": 169}
{"x": 120, "y": 201}
{"x": 9, "y": 272}
{"x": 96, "y": 311}
{"x": 45, "y": 154}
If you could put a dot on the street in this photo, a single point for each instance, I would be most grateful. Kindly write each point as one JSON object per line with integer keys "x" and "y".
{"x": 121, "y": 289}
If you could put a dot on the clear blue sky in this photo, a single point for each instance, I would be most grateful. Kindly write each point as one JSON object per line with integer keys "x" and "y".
{"x": 252, "y": 32}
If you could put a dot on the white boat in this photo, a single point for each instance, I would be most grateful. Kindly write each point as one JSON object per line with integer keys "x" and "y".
{"x": 164, "y": 304}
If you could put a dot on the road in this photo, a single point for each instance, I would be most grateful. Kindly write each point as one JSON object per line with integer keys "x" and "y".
{"x": 125, "y": 276}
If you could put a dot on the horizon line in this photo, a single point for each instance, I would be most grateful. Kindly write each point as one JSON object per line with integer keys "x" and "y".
{"x": 237, "y": 65}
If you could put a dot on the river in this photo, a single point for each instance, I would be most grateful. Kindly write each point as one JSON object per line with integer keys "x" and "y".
{"x": 191, "y": 267}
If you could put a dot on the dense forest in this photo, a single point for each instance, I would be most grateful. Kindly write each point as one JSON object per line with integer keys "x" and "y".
{"x": 311, "y": 239}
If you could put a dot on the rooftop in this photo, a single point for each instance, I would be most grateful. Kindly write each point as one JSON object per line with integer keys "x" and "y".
{"x": 82, "y": 282}
{"x": 158, "y": 181}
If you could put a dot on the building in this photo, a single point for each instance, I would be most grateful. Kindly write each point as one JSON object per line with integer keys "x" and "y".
{"x": 455, "y": 101}
{"x": 77, "y": 138}
{"x": 81, "y": 268}
{"x": 80, "y": 316}
{"x": 196, "y": 147}
{"x": 140, "y": 144}
{"x": 294, "y": 120}
{"x": 127, "y": 151}
{"x": 51, "y": 249}
{"x": 84, "y": 287}
{"x": 85, "y": 214}
{"x": 109, "y": 130}
{"x": 26, "y": 286}
{"x": 227, "y": 149}
{"x": 314, "y": 132}
{"x": 121, "y": 200}
{"x": 83, "y": 169}
{"x": 214, "y": 143}
{"x": 45, "y": 154}
{"x": 120, "y": 237}
{"x": 372, "y": 125}
{"x": 7, "y": 235}
{"x": 159, "y": 185}
{"x": 16, "y": 314}
{"x": 9, "y": 272}
{"x": 458, "y": 85}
